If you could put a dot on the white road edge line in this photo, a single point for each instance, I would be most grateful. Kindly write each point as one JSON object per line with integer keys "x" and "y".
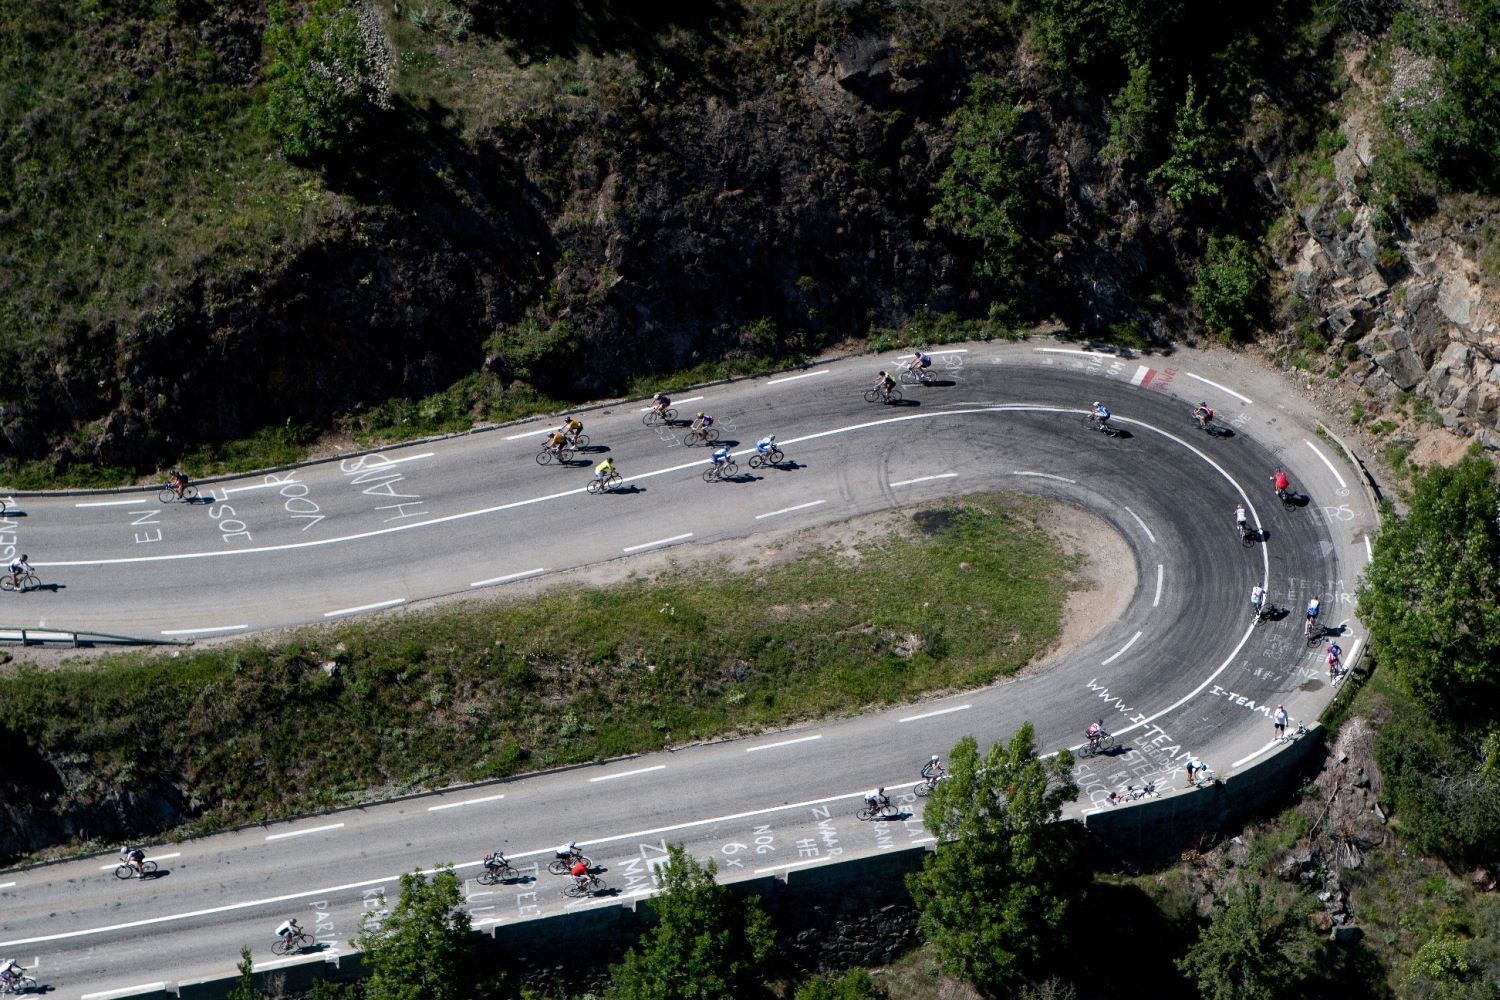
{"x": 626, "y": 774}
{"x": 788, "y": 510}
{"x": 951, "y": 350}
{"x": 1122, "y": 650}
{"x": 923, "y": 479}
{"x": 1369, "y": 552}
{"x": 509, "y": 577}
{"x": 1156, "y": 601}
{"x": 1245, "y": 760}
{"x": 154, "y": 857}
{"x": 126, "y": 991}
{"x": 1142, "y": 524}
{"x": 365, "y": 607}
{"x": 200, "y": 631}
{"x": 1221, "y": 388}
{"x": 783, "y": 743}
{"x": 541, "y": 428}
{"x": 303, "y": 833}
{"x": 1046, "y": 475}
{"x": 1087, "y": 354}
{"x": 941, "y": 711}
{"x": 144, "y": 498}
{"x": 793, "y": 378}
{"x": 7, "y": 885}
{"x": 659, "y": 541}
{"x": 678, "y": 402}
{"x": 1342, "y": 485}
{"x": 465, "y": 802}
{"x": 794, "y": 864}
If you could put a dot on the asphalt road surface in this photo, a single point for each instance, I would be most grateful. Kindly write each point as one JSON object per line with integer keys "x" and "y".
{"x": 1181, "y": 672}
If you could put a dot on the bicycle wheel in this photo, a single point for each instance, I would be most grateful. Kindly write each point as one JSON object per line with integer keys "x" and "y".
{"x": 148, "y": 867}
{"x": 922, "y": 789}
{"x": 1088, "y": 749}
{"x": 574, "y": 890}
{"x": 894, "y": 396}
{"x": 543, "y": 457}
{"x": 1106, "y": 743}
{"x": 565, "y": 456}
{"x": 1247, "y": 537}
{"x": 613, "y": 482}
{"x": 580, "y": 441}
{"x": 596, "y": 884}
{"x": 23, "y": 983}
{"x": 650, "y": 418}
{"x": 557, "y": 866}
{"x": 871, "y": 395}
{"x": 711, "y": 474}
{"x": 729, "y": 470}
{"x": 124, "y": 871}
{"x": 166, "y": 495}
{"x": 1289, "y": 502}
{"x": 864, "y": 813}
{"x": 189, "y": 494}
{"x": 284, "y": 946}
{"x": 758, "y": 460}
{"x": 889, "y": 809}
{"x": 908, "y": 377}
{"x": 491, "y": 876}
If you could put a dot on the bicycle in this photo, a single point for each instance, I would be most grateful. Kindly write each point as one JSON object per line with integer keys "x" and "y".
{"x": 891, "y": 395}
{"x": 1201, "y": 778}
{"x": 590, "y": 885}
{"x": 495, "y": 874}
{"x": 1103, "y": 743}
{"x": 1264, "y": 613}
{"x": 1288, "y": 499}
{"x": 578, "y": 441}
{"x": 913, "y": 376}
{"x": 1207, "y": 424}
{"x": 1135, "y": 792}
{"x": 605, "y": 485}
{"x": 717, "y": 473}
{"x": 927, "y": 785}
{"x": 883, "y": 810}
{"x": 124, "y": 870}
{"x": 702, "y": 435}
{"x": 1248, "y": 535}
{"x": 564, "y": 455}
{"x": 766, "y": 459}
{"x": 1106, "y": 427}
{"x": 561, "y": 866}
{"x": 653, "y": 416}
{"x": 29, "y": 581}
{"x": 169, "y": 494}
{"x": 293, "y": 944}
{"x": 20, "y": 982}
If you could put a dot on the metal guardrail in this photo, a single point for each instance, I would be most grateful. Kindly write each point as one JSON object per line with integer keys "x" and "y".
{"x": 28, "y": 636}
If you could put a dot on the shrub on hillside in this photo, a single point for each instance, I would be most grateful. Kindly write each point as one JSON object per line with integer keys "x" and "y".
{"x": 1229, "y": 282}
{"x": 317, "y": 79}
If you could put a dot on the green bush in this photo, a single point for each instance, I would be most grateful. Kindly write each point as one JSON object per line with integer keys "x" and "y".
{"x": 1132, "y": 112}
{"x": 1192, "y": 172}
{"x": 1435, "y": 782}
{"x": 317, "y": 79}
{"x": 1229, "y": 282}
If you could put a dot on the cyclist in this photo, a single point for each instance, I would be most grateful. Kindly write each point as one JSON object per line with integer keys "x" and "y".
{"x": 701, "y": 423}
{"x": 556, "y": 442}
{"x": 605, "y": 469}
{"x": 134, "y": 857}
{"x": 10, "y": 971}
{"x": 1239, "y": 520}
{"x": 19, "y": 568}
{"x": 876, "y": 800}
{"x": 494, "y": 861}
{"x": 720, "y": 457}
{"x": 766, "y": 445}
{"x": 1101, "y": 414}
{"x": 288, "y": 930}
{"x": 919, "y": 364}
{"x": 660, "y": 402}
{"x": 1257, "y": 599}
{"x": 885, "y": 384}
{"x": 570, "y": 852}
{"x": 933, "y": 772}
{"x": 580, "y": 873}
{"x": 1278, "y": 479}
{"x": 1204, "y": 413}
{"x": 177, "y": 481}
{"x": 1334, "y": 655}
{"x": 1312, "y": 616}
{"x": 1095, "y": 732}
{"x": 1195, "y": 766}
{"x": 572, "y": 429}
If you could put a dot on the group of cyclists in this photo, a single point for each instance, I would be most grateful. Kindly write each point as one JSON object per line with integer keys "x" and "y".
{"x": 919, "y": 365}
{"x": 932, "y": 773}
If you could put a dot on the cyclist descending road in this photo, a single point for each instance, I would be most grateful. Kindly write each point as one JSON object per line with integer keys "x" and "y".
{"x": 1204, "y": 414}
{"x": 702, "y": 429}
{"x": 1278, "y": 480}
{"x": 766, "y": 453}
{"x": 1312, "y": 617}
{"x": 1100, "y": 413}
{"x": 1240, "y": 523}
{"x": 1257, "y": 599}
{"x": 20, "y": 570}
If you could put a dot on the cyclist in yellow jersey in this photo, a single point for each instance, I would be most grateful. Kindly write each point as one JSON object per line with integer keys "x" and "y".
{"x": 605, "y": 469}
{"x": 556, "y": 441}
{"x": 572, "y": 428}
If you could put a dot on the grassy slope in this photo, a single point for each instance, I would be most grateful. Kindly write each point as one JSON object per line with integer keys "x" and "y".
{"x": 478, "y": 691}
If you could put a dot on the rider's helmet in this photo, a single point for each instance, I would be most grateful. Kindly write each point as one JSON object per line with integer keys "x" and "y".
{"x": 882, "y": 373}
{"x": 770, "y": 437}
{"x": 656, "y": 395}
{"x": 933, "y": 759}
{"x": 700, "y": 413}
{"x": 1204, "y": 403}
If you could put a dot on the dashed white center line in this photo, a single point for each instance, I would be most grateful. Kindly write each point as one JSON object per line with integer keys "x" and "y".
{"x": 508, "y": 577}
{"x": 1342, "y": 485}
{"x": 203, "y": 631}
{"x": 1142, "y": 524}
{"x": 1369, "y": 552}
{"x": 303, "y": 833}
{"x": 155, "y": 857}
{"x": 465, "y": 802}
{"x": 1156, "y": 602}
{"x": 365, "y": 607}
{"x": 1122, "y": 650}
{"x": 788, "y": 510}
{"x": 659, "y": 541}
{"x": 941, "y": 711}
{"x": 793, "y": 378}
{"x": 1221, "y": 388}
{"x": 678, "y": 402}
{"x": 783, "y": 743}
{"x": 1045, "y": 475}
{"x": 535, "y": 432}
{"x": 924, "y": 479}
{"x": 7, "y": 885}
{"x": 627, "y": 774}
{"x": 142, "y": 499}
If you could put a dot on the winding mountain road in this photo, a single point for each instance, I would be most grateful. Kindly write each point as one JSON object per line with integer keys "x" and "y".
{"x": 1181, "y": 671}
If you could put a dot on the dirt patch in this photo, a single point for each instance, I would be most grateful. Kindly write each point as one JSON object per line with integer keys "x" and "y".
{"x": 1108, "y": 567}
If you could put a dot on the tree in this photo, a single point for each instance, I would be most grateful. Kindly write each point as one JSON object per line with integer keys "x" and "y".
{"x": 1131, "y": 112}
{"x": 1249, "y": 950}
{"x": 423, "y": 948}
{"x": 244, "y": 987}
{"x": 318, "y": 81}
{"x": 1191, "y": 173}
{"x": 1431, "y": 595}
{"x": 704, "y": 945}
{"x": 996, "y": 896}
{"x": 1229, "y": 281}
{"x": 985, "y": 194}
